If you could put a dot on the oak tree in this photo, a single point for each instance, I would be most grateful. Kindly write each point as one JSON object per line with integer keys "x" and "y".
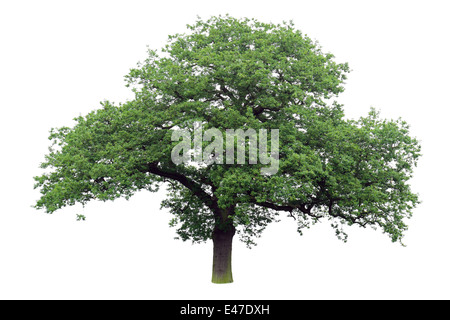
{"x": 229, "y": 73}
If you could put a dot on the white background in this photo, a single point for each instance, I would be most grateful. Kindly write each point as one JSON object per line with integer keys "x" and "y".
{"x": 61, "y": 58}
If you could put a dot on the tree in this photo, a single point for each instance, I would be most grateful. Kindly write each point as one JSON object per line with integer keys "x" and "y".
{"x": 228, "y": 73}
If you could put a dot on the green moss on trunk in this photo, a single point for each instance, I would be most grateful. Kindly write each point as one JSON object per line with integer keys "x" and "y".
{"x": 222, "y": 241}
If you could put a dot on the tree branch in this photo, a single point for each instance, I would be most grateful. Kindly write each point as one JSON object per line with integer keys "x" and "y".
{"x": 304, "y": 208}
{"x": 188, "y": 183}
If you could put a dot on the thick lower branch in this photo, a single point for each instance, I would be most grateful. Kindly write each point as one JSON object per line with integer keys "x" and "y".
{"x": 188, "y": 183}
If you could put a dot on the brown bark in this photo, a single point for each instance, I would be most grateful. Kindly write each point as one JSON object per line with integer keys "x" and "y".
{"x": 222, "y": 242}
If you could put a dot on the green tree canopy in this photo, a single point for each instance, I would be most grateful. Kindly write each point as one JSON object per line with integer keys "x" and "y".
{"x": 229, "y": 73}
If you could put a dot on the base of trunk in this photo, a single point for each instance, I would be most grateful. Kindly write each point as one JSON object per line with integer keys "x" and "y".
{"x": 222, "y": 241}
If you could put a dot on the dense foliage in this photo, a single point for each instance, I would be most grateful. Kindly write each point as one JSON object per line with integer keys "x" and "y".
{"x": 228, "y": 73}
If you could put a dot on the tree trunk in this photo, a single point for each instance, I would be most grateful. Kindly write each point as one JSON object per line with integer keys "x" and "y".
{"x": 222, "y": 241}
